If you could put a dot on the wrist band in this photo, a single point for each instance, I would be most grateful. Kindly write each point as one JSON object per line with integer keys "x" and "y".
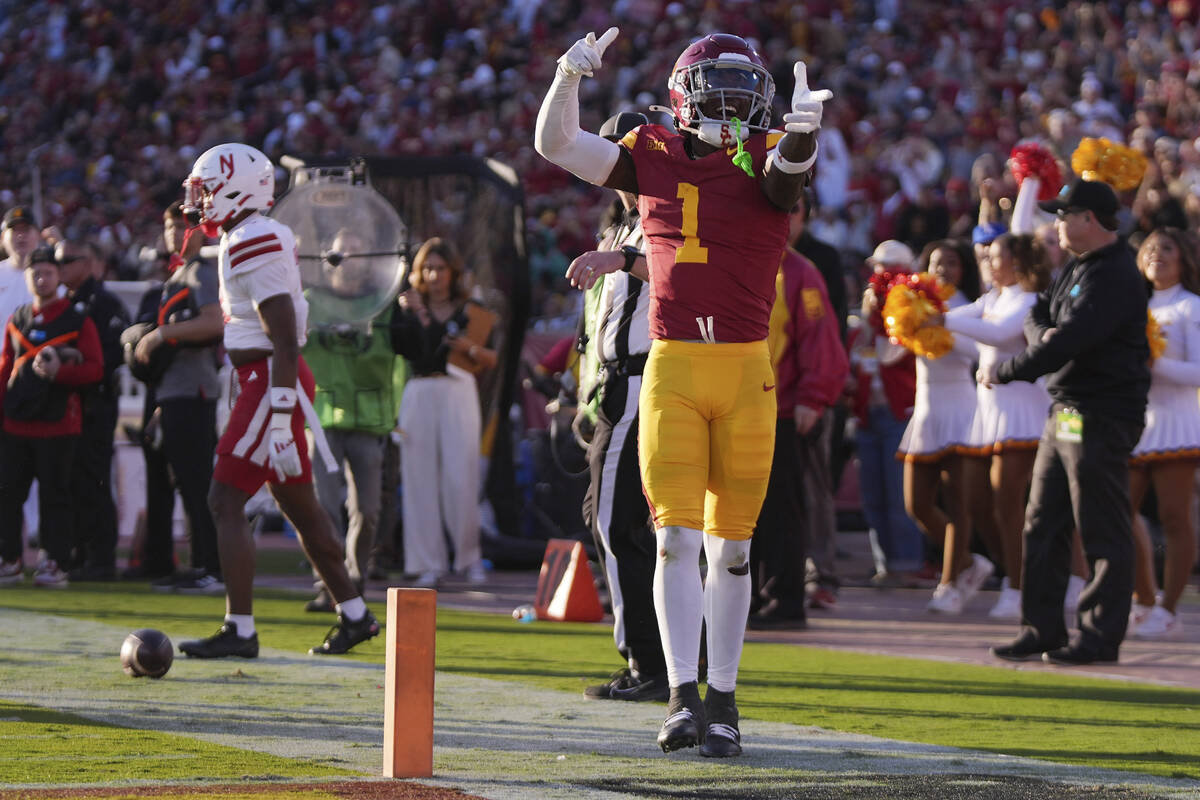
{"x": 281, "y": 420}
{"x": 792, "y": 167}
{"x": 631, "y": 255}
{"x": 283, "y": 398}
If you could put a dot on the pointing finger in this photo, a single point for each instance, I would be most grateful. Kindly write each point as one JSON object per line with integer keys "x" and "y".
{"x": 800, "y": 72}
{"x": 607, "y": 39}
{"x": 821, "y": 96}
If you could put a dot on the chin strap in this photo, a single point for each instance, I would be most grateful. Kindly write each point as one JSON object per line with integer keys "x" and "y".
{"x": 741, "y": 159}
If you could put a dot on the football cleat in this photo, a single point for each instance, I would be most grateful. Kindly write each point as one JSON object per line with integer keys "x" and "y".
{"x": 346, "y": 634}
{"x": 222, "y": 644}
{"x": 624, "y": 685}
{"x": 684, "y": 725}
{"x": 722, "y": 739}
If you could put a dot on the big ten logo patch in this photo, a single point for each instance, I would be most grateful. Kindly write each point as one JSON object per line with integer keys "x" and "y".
{"x": 814, "y": 306}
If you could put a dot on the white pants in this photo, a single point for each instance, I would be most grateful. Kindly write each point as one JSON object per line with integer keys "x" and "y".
{"x": 439, "y": 471}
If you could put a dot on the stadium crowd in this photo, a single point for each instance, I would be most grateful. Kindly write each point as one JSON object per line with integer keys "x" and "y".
{"x": 109, "y": 105}
{"x": 105, "y": 108}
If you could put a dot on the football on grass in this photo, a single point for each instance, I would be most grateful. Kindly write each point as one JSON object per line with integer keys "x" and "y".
{"x": 146, "y": 653}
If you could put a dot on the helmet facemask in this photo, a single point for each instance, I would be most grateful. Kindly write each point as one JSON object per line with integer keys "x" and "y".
{"x": 710, "y": 93}
{"x": 198, "y": 205}
{"x": 225, "y": 181}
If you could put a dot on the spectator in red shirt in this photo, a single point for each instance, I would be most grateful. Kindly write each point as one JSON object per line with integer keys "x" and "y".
{"x": 810, "y": 370}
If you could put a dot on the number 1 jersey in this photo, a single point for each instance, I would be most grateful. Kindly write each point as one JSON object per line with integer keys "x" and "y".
{"x": 713, "y": 239}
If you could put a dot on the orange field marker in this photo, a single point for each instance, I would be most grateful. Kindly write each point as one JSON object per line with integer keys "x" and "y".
{"x": 408, "y": 687}
{"x": 566, "y": 591}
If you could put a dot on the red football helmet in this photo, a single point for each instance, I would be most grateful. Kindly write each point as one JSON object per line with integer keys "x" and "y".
{"x": 715, "y": 79}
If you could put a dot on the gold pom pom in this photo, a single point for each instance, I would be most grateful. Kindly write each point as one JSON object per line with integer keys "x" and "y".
{"x": 1156, "y": 338}
{"x": 1119, "y": 166}
{"x": 907, "y": 308}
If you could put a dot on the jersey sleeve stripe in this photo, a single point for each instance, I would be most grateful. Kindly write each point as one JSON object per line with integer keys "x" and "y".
{"x": 243, "y": 257}
{"x": 251, "y": 243}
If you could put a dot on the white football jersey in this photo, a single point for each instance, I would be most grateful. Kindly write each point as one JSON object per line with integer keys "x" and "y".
{"x": 258, "y": 261}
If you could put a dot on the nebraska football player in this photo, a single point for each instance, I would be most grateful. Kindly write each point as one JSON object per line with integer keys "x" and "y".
{"x": 265, "y": 325}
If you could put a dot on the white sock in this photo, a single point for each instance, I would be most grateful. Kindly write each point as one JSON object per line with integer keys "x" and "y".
{"x": 353, "y": 609}
{"x": 678, "y": 599}
{"x": 1075, "y": 585}
{"x": 243, "y": 622}
{"x": 726, "y": 606}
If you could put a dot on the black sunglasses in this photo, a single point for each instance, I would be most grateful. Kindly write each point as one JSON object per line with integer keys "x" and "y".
{"x": 1063, "y": 213}
{"x": 70, "y": 259}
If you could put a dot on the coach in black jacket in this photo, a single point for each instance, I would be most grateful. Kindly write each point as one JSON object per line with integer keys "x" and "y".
{"x": 1088, "y": 332}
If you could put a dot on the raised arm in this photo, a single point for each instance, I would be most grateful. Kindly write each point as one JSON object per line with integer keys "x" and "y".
{"x": 558, "y": 136}
{"x": 788, "y": 169}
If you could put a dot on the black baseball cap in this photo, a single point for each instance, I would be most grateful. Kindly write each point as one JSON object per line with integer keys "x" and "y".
{"x": 616, "y": 126}
{"x": 17, "y": 215}
{"x": 42, "y": 255}
{"x": 1095, "y": 196}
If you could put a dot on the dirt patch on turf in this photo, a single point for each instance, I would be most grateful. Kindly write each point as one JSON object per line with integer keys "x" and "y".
{"x": 341, "y": 790}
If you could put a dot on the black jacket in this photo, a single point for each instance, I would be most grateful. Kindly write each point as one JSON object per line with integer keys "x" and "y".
{"x": 1097, "y": 356}
{"x": 108, "y": 313}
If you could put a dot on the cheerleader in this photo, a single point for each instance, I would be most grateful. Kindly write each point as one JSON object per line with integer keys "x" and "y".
{"x": 1167, "y": 454}
{"x": 883, "y": 386}
{"x": 942, "y": 413}
{"x": 1009, "y": 418}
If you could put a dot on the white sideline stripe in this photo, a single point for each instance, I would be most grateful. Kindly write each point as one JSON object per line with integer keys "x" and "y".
{"x": 329, "y": 712}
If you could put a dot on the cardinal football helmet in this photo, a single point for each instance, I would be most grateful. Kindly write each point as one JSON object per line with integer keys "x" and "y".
{"x": 226, "y": 180}
{"x": 715, "y": 79}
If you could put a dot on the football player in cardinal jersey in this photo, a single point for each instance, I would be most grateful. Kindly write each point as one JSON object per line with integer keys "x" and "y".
{"x": 714, "y": 201}
{"x": 266, "y": 318}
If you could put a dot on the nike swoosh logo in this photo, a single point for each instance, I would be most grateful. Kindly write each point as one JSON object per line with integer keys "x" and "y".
{"x": 767, "y": 388}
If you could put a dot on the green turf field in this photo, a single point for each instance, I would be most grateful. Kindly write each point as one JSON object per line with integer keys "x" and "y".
{"x": 1052, "y": 716}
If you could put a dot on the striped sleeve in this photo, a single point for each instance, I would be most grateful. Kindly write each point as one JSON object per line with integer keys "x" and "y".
{"x": 249, "y": 252}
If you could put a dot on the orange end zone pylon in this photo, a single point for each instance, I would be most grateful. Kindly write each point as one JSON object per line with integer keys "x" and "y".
{"x": 565, "y": 590}
{"x": 408, "y": 683}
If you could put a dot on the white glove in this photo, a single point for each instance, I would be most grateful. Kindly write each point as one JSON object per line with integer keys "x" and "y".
{"x": 807, "y": 105}
{"x": 584, "y": 56}
{"x": 283, "y": 455}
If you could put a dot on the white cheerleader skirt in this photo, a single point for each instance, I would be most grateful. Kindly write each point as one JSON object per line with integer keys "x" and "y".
{"x": 941, "y": 421}
{"x": 1172, "y": 429}
{"x": 1008, "y": 416}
